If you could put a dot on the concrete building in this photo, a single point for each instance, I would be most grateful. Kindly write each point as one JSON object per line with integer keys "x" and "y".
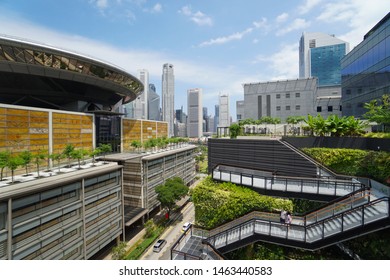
{"x": 240, "y": 109}
{"x": 280, "y": 99}
{"x": 365, "y": 70}
{"x": 224, "y": 111}
{"x": 51, "y": 98}
{"x": 140, "y": 104}
{"x": 194, "y": 110}
{"x": 168, "y": 97}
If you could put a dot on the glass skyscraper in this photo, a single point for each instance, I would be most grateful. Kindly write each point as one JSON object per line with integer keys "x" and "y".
{"x": 366, "y": 70}
{"x": 319, "y": 56}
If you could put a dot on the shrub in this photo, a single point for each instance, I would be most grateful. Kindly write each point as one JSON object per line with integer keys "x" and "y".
{"x": 218, "y": 203}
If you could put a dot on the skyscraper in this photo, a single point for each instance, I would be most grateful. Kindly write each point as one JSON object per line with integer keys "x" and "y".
{"x": 224, "y": 114}
{"x": 319, "y": 56}
{"x": 140, "y": 105}
{"x": 216, "y": 117}
{"x": 153, "y": 104}
{"x": 168, "y": 97}
{"x": 195, "y": 117}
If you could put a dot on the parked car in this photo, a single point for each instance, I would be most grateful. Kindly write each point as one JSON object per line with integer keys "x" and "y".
{"x": 159, "y": 245}
{"x": 186, "y": 226}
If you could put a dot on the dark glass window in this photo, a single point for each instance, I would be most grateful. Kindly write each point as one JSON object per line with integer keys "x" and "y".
{"x": 319, "y": 109}
{"x": 330, "y": 108}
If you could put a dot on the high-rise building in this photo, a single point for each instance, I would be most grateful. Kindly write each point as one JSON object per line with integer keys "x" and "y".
{"x": 224, "y": 114}
{"x": 240, "y": 109}
{"x": 365, "y": 70}
{"x": 140, "y": 104}
{"x": 216, "y": 117}
{"x": 195, "y": 118}
{"x": 153, "y": 104}
{"x": 168, "y": 97}
{"x": 319, "y": 56}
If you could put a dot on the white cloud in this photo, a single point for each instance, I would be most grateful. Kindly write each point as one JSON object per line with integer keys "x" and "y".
{"x": 238, "y": 35}
{"x": 359, "y": 15}
{"x": 157, "y": 8}
{"x": 282, "y": 18}
{"x": 297, "y": 24}
{"x": 101, "y": 4}
{"x": 282, "y": 64}
{"x": 308, "y": 6}
{"x": 225, "y": 39}
{"x": 198, "y": 17}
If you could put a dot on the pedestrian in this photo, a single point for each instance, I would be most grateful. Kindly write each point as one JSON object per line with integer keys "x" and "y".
{"x": 288, "y": 218}
{"x": 283, "y": 214}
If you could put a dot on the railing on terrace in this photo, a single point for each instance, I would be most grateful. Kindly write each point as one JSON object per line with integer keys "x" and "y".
{"x": 305, "y": 234}
{"x": 318, "y": 186}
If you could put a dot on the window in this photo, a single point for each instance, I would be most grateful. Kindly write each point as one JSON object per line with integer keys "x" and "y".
{"x": 277, "y": 108}
{"x": 319, "y": 109}
{"x": 297, "y": 107}
{"x": 287, "y": 108}
{"x": 278, "y": 96}
{"x": 297, "y": 94}
{"x": 348, "y": 91}
{"x": 312, "y": 43}
{"x": 330, "y": 108}
{"x": 287, "y": 95}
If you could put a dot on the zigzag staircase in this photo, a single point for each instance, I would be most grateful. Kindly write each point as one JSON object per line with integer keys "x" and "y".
{"x": 355, "y": 209}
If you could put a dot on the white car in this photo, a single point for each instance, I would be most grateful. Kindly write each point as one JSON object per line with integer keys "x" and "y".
{"x": 186, "y": 226}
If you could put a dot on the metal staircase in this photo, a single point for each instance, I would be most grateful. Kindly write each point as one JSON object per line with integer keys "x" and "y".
{"x": 354, "y": 215}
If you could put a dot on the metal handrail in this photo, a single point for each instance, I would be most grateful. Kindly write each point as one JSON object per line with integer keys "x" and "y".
{"x": 304, "y": 228}
{"x": 336, "y": 183}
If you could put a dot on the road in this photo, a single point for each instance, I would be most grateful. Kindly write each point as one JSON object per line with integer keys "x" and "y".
{"x": 171, "y": 235}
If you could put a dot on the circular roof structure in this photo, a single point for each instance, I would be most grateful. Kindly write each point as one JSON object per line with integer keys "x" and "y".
{"x": 34, "y": 74}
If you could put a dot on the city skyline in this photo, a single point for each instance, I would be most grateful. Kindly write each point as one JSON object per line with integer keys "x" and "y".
{"x": 207, "y": 48}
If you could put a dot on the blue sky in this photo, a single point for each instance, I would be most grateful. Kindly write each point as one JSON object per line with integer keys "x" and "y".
{"x": 216, "y": 45}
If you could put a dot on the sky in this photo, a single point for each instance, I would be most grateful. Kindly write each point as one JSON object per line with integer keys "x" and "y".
{"x": 215, "y": 45}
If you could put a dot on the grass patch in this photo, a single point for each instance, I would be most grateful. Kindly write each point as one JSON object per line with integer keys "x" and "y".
{"x": 139, "y": 248}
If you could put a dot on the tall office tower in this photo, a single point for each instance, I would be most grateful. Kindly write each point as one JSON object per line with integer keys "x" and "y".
{"x": 206, "y": 120}
{"x": 224, "y": 115}
{"x": 216, "y": 117}
{"x": 140, "y": 105}
{"x": 240, "y": 109}
{"x": 194, "y": 110}
{"x": 319, "y": 56}
{"x": 168, "y": 97}
{"x": 153, "y": 104}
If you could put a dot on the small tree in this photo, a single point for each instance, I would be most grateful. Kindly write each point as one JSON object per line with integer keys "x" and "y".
{"x": 105, "y": 149}
{"x": 68, "y": 152}
{"x": 150, "y": 227}
{"x": 38, "y": 158}
{"x": 136, "y": 145}
{"x": 77, "y": 154}
{"x": 119, "y": 251}
{"x": 26, "y": 157}
{"x": 13, "y": 163}
{"x": 93, "y": 154}
{"x": 4, "y": 158}
{"x": 379, "y": 110}
{"x": 234, "y": 130}
{"x": 57, "y": 157}
{"x": 169, "y": 193}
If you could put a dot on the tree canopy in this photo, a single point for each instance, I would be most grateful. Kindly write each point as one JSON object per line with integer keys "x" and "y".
{"x": 379, "y": 110}
{"x": 169, "y": 193}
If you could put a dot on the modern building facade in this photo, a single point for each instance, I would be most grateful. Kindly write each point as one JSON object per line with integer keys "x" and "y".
{"x": 280, "y": 99}
{"x": 168, "y": 97}
{"x": 224, "y": 111}
{"x": 366, "y": 70}
{"x": 154, "y": 112}
{"x": 216, "y": 117}
{"x": 51, "y": 98}
{"x": 140, "y": 104}
{"x": 194, "y": 110}
{"x": 240, "y": 110}
{"x": 319, "y": 56}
